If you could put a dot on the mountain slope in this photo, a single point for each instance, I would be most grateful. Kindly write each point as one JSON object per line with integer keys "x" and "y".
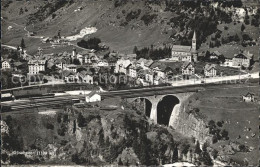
{"x": 121, "y": 24}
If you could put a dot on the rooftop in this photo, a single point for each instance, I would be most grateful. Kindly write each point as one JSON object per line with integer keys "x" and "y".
{"x": 36, "y": 61}
{"x": 208, "y": 67}
{"x": 181, "y": 48}
{"x": 186, "y": 64}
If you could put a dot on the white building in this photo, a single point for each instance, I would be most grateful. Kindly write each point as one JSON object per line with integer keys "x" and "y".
{"x": 6, "y": 65}
{"x": 188, "y": 68}
{"x": 210, "y": 70}
{"x": 242, "y": 59}
{"x": 122, "y": 66}
{"x": 249, "y": 97}
{"x": 133, "y": 70}
{"x": 35, "y": 66}
{"x": 102, "y": 63}
{"x": 93, "y": 97}
{"x": 71, "y": 67}
{"x": 86, "y": 77}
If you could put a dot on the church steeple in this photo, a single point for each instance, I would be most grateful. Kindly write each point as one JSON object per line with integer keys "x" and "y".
{"x": 194, "y": 42}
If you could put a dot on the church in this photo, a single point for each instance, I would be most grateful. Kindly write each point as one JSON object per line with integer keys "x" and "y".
{"x": 185, "y": 53}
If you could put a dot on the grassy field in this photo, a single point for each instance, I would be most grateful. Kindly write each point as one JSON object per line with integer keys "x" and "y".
{"x": 225, "y": 104}
{"x": 229, "y": 50}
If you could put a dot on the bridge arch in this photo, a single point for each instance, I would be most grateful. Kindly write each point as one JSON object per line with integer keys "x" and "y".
{"x": 165, "y": 108}
{"x": 143, "y": 104}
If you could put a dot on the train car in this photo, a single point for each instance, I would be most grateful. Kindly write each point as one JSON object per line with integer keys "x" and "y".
{"x": 7, "y": 97}
{"x": 43, "y": 96}
{"x": 75, "y": 101}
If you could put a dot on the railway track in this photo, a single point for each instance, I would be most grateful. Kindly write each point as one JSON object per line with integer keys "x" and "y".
{"x": 39, "y": 102}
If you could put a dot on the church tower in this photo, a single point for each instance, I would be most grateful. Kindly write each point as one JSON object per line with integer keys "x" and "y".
{"x": 194, "y": 42}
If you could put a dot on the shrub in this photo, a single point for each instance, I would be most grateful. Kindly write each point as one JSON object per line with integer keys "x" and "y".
{"x": 4, "y": 157}
{"x": 224, "y": 134}
{"x": 147, "y": 18}
{"x": 246, "y": 37}
{"x": 18, "y": 159}
{"x": 220, "y": 124}
{"x": 59, "y": 118}
{"x": 81, "y": 120}
{"x": 243, "y": 27}
{"x": 91, "y": 43}
{"x": 118, "y": 3}
{"x": 132, "y": 15}
{"x": 49, "y": 126}
{"x": 62, "y": 130}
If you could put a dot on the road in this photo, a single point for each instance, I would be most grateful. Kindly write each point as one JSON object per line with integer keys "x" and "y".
{"x": 222, "y": 79}
{"x": 142, "y": 92}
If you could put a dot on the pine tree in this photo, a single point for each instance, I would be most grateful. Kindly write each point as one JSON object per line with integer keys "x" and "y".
{"x": 107, "y": 142}
{"x": 243, "y": 27}
{"x": 175, "y": 154}
{"x": 59, "y": 36}
{"x": 135, "y": 50}
{"x": 205, "y": 158}
{"x": 22, "y": 44}
{"x": 197, "y": 148}
{"x": 21, "y": 11}
{"x": 120, "y": 163}
{"x": 101, "y": 138}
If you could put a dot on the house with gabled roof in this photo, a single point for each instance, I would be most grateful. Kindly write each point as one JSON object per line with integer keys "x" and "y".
{"x": 133, "y": 70}
{"x": 161, "y": 70}
{"x": 93, "y": 97}
{"x": 249, "y": 97}
{"x": 188, "y": 68}
{"x": 243, "y": 59}
{"x": 149, "y": 76}
{"x": 69, "y": 76}
{"x": 122, "y": 66}
{"x": 210, "y": 70}
{"x": 215, "y": 55}
{"x": 6, "y": 64}
{"x": 144, "y": 63}
{"x": 86, "y": 76}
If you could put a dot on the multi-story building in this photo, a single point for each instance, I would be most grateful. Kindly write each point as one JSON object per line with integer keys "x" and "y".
{"x": 242, "y": 59}
{"x": 71, "y": 67}
{"x": 188, "y": 68}
{"x": 6, "y": 64}
{"x": 133, "y": 70}
{"x": 35, "y": 66}
{"x": 122, "y": 66}
{"x": 210, "y": 70}
{"x": 86, "y": 76}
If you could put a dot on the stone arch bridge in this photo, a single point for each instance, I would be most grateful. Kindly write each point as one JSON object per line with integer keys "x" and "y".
{"x": 162, "y": 109}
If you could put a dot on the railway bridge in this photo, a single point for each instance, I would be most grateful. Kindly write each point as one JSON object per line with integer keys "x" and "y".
{"x": 162, "y": 109}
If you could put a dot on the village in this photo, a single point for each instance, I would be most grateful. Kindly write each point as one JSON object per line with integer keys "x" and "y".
{"x": 185, "y": 64}
{"x": 130, "y": 83}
